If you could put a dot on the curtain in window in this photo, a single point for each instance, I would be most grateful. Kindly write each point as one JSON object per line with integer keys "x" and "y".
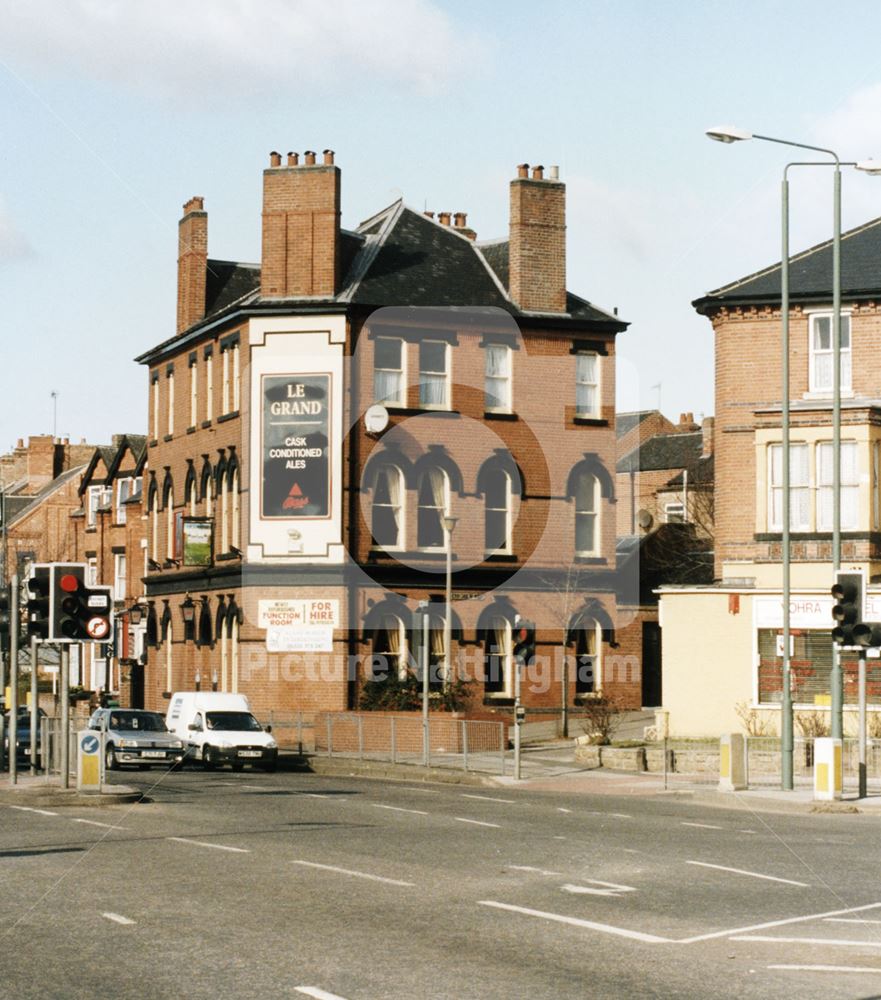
{"x": 436, "y": 652}
{"x": 386, "y": 512}
{"x": 432, "y": 507}
{"x": 497, "y": 655}
{"x": 497, "y": 499}
{"x": 432, "y": 373}
{"x": 387, "y": 647}
{"x": 799, "y": 488}
{"x": 849, "y": 486}
{"x": 497, "y": 382}
{"x": 586, "y": 384}
{"x": 388, "y": 371}
{"x": 585, "y": 514}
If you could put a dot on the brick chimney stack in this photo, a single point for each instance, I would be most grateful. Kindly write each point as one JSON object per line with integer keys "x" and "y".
{"x": 42, "y": 459}
{"x": 537, "y": 242}
{"x": 301, "y": 227}
{"x": 708, "y": 429}
{"x": 192, "y": 264}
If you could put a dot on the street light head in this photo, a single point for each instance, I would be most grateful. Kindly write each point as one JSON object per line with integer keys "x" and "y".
{"x": 450, "y": 523}
{"x": 869, "y": 166}
{"x": 728, "y": 133}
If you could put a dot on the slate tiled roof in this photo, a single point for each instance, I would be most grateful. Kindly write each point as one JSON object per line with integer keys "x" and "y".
{"x": 398, "y": 257}
{"x": 699, "y": 474}
{"x": 625, "y": 422}
{"x": 664, "y": 451}
{"x": 810, "y": 274}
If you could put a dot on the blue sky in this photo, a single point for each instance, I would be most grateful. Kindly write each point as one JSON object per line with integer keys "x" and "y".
{"x": 113, "y": 113}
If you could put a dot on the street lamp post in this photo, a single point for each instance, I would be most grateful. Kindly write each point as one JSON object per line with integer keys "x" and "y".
{"x": 729, "y": 135}
{"x": 449, "y": 527}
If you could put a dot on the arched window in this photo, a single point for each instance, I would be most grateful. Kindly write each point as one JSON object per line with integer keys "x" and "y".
{"x": 497, "y": 511}
{"x": 434, "y": 504}
{"x": 498, "y": 678}
{"x": 389, "y": 648}
{"x": 586, "y": 662}
{"x": 168, "y": 506}
{"x": 153, "y": 507}
{"x": 190, "y": 490}
{"x": 233, "y": 489}
{"x": 586, "y": 514}
{"x": 387, "y": 512}
{"x": 208, "y": 488}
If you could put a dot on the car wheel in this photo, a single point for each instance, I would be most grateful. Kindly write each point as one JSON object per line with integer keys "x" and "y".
{"x": 110, "y": 761}
{"x": 209, "y": 759}
{"x": 238, "y": 767}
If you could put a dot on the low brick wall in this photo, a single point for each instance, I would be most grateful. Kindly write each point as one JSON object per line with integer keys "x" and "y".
{"x": 698, "y": 760}
{"x": 374, "y": 732}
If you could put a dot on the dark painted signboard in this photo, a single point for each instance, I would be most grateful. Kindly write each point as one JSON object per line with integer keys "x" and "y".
{"x": 295, "y": 443}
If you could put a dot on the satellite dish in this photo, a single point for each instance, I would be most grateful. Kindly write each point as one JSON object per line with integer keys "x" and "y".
{"x": 376, "y": 419}
{"x": 645, "y": 519}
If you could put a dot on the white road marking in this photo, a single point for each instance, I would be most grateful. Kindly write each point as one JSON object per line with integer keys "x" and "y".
{"x": 584, "y": 890}
{"x": 349, "y": 871}
{"x": 778, "y": 923}
{"x": 577, "y": 922}
{"x": 746, "y": 831}
{"x": 825, "y": 968}
{"x": 609, "y": 885}
{"x": 313, "y": 991}
{"x": 399, "y": 809}
{"x": 94, "y": 822}
{"x": 620, "y": 815}
{"x": 327, "y": 798}
{"x": 560, "y": 809}
{"x": 203, "y": 843}
{"x": 31, "y": 809}
{"x": 529, "y": 868}
{"x": 487, "y": 798}
{"x": 850, "y": 920}
{"x": 702, "y": 826}
{"x": 796, "y": 940}
{"x": 558, "y": 837}
{"x": 741, "y": 871}
{"x": 476, "y": 822}
{"x": 117, "y": 919}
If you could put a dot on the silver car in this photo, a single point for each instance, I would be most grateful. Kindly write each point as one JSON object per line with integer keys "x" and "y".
{"x": 137, "y": 737}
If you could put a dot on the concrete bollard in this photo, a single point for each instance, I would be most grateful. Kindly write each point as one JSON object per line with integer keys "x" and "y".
{"x": 731, "y": 763}
{"x": 827, "y": 769}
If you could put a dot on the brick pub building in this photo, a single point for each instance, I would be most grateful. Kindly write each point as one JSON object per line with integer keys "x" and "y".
{"x": 318, "y": 420}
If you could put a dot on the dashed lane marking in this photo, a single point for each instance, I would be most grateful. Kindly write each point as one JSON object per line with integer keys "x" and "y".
{"x": 837, "y": 942}
{"x": 399, "y": 809}
{"x": 107, "y": 826}
{"x": 354, "y": 874}
{"x": 850, "y": 920}
{"x": 204, "y": 843}
{"x": 31, "y": 809}
{"x": 117, "y": 919}
{"x": 608, "y": 885}
{"x": 487, "y": 798}
{"x": 779, "y": 923}
{"x": 702, "y": 826}
{"x": 825, "y": 968}
{"x": 538, "y": 871}
{"x": 314, "y": 991}
{"x": 476, "y": 822}
{"x": 326, "y": 796}
{"x": 741, "y": 871}
{"x": 560, "y": 809}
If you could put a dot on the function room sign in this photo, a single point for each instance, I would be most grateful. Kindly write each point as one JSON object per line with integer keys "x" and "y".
{"x": 295, "y": 449}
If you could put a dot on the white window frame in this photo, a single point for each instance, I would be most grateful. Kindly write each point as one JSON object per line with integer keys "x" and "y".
{"x": 194, "y": 392}
{"x": 155, "y": 395}
{"x": 594, "y": 513}
{"x": 400, "y": 508}
{"x": 234, "y": 526}
{"x": 400, "y": 399}
{"x": 209, "y": 388}
{"x": 92, "y": 571}
{"x": 236, "y": 379}
{"x": 120, "y": 583}
{"x": 507, "y": 547}
{"x": 850, "y": 490}
{"x": 447, "y": 373}
{"x": 444, "y": 508}
{"x": 504, "y": 380}
{"x": 775, "y": 488}
{"x": 815, "y": 353}
{"x": 507, "y": 689}
{"x": 582, "y": 380}
{"x": 224, "y": 381}
{"x": 94, "y": 496}
{"x": 170, "y": 380}
{"x": 674, "y": 507}
{"x": 876, "y": 485}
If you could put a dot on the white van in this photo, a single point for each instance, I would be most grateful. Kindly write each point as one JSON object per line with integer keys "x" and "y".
{"x": 220, "y": 729}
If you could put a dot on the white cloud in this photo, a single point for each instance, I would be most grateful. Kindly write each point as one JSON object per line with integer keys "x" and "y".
{"x": 190, "y": 48}
{"x": 13, "y": 243}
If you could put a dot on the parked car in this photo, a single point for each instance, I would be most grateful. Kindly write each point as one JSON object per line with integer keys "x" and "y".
{"x": 220, "y": 729}
{"x": 22, "y": 735}
{"x": 137, "y": 737}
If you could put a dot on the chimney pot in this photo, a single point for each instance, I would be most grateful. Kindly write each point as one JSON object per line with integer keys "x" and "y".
{"x": 195, "y": 204}
{"x": 428, "y": 215}
{"x": 522, "y": 169}
{"x": 328, "y": 157}
{"x": 538, "y": 173}
{"x": 293, "y": 159}
{"x": 274, "y": 159}
{"x": 459, "y": 219}
{"x": 443, "y": 218}
{"x": 554, "y": 173}
{"x": 310, "y": 157}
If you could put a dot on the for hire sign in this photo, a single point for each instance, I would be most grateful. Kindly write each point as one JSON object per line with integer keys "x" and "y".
{"x": 296, "y": 446}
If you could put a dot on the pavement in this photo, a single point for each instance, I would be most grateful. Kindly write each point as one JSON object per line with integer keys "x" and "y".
{"x": 229, "y": 885}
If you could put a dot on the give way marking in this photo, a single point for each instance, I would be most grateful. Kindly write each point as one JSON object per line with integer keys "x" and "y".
{"x": 608, "y": 888}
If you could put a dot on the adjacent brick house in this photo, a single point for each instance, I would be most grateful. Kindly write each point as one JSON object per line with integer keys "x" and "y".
{"x": 740, "y": 617}
{"x": 318, "y": 418}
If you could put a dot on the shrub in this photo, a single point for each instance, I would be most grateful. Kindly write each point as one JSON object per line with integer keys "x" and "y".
{"x": 753, "y": 721}
{"x": 394, "y": 693}
{"x": 600, "y": 716}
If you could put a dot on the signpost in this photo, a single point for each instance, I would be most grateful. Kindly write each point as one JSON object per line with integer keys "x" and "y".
{"x": 90, "y": 761}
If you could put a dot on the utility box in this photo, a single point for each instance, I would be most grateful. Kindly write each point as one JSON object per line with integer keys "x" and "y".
{"x": 732, "y": 776}
{"x": 89, "y": 761}
{"x": 827, "y": 769}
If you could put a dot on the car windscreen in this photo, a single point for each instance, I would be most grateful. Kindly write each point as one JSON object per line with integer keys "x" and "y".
{"x": 151, "y": 722}
{"x": 232, "y": 721}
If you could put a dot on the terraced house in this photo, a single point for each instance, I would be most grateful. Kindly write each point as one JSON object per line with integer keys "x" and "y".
{"x": 331, "y": 426}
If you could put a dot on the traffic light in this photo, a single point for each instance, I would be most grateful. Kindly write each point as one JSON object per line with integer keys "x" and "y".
{"x": 849, "y": 610}
{"x": 524, "y": 641}
{"x": 39, "y": 618}
{"x": 78, "y": 612}
{"x": 5, "y": 618}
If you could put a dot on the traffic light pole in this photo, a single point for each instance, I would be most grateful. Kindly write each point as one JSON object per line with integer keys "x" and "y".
{"x": 34, "y": 699}
{"x": 65, "y": 715}
{"x": 13, "y": 678}
{"x": 516, "y": 719}
{"x": 863, "y": 776}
